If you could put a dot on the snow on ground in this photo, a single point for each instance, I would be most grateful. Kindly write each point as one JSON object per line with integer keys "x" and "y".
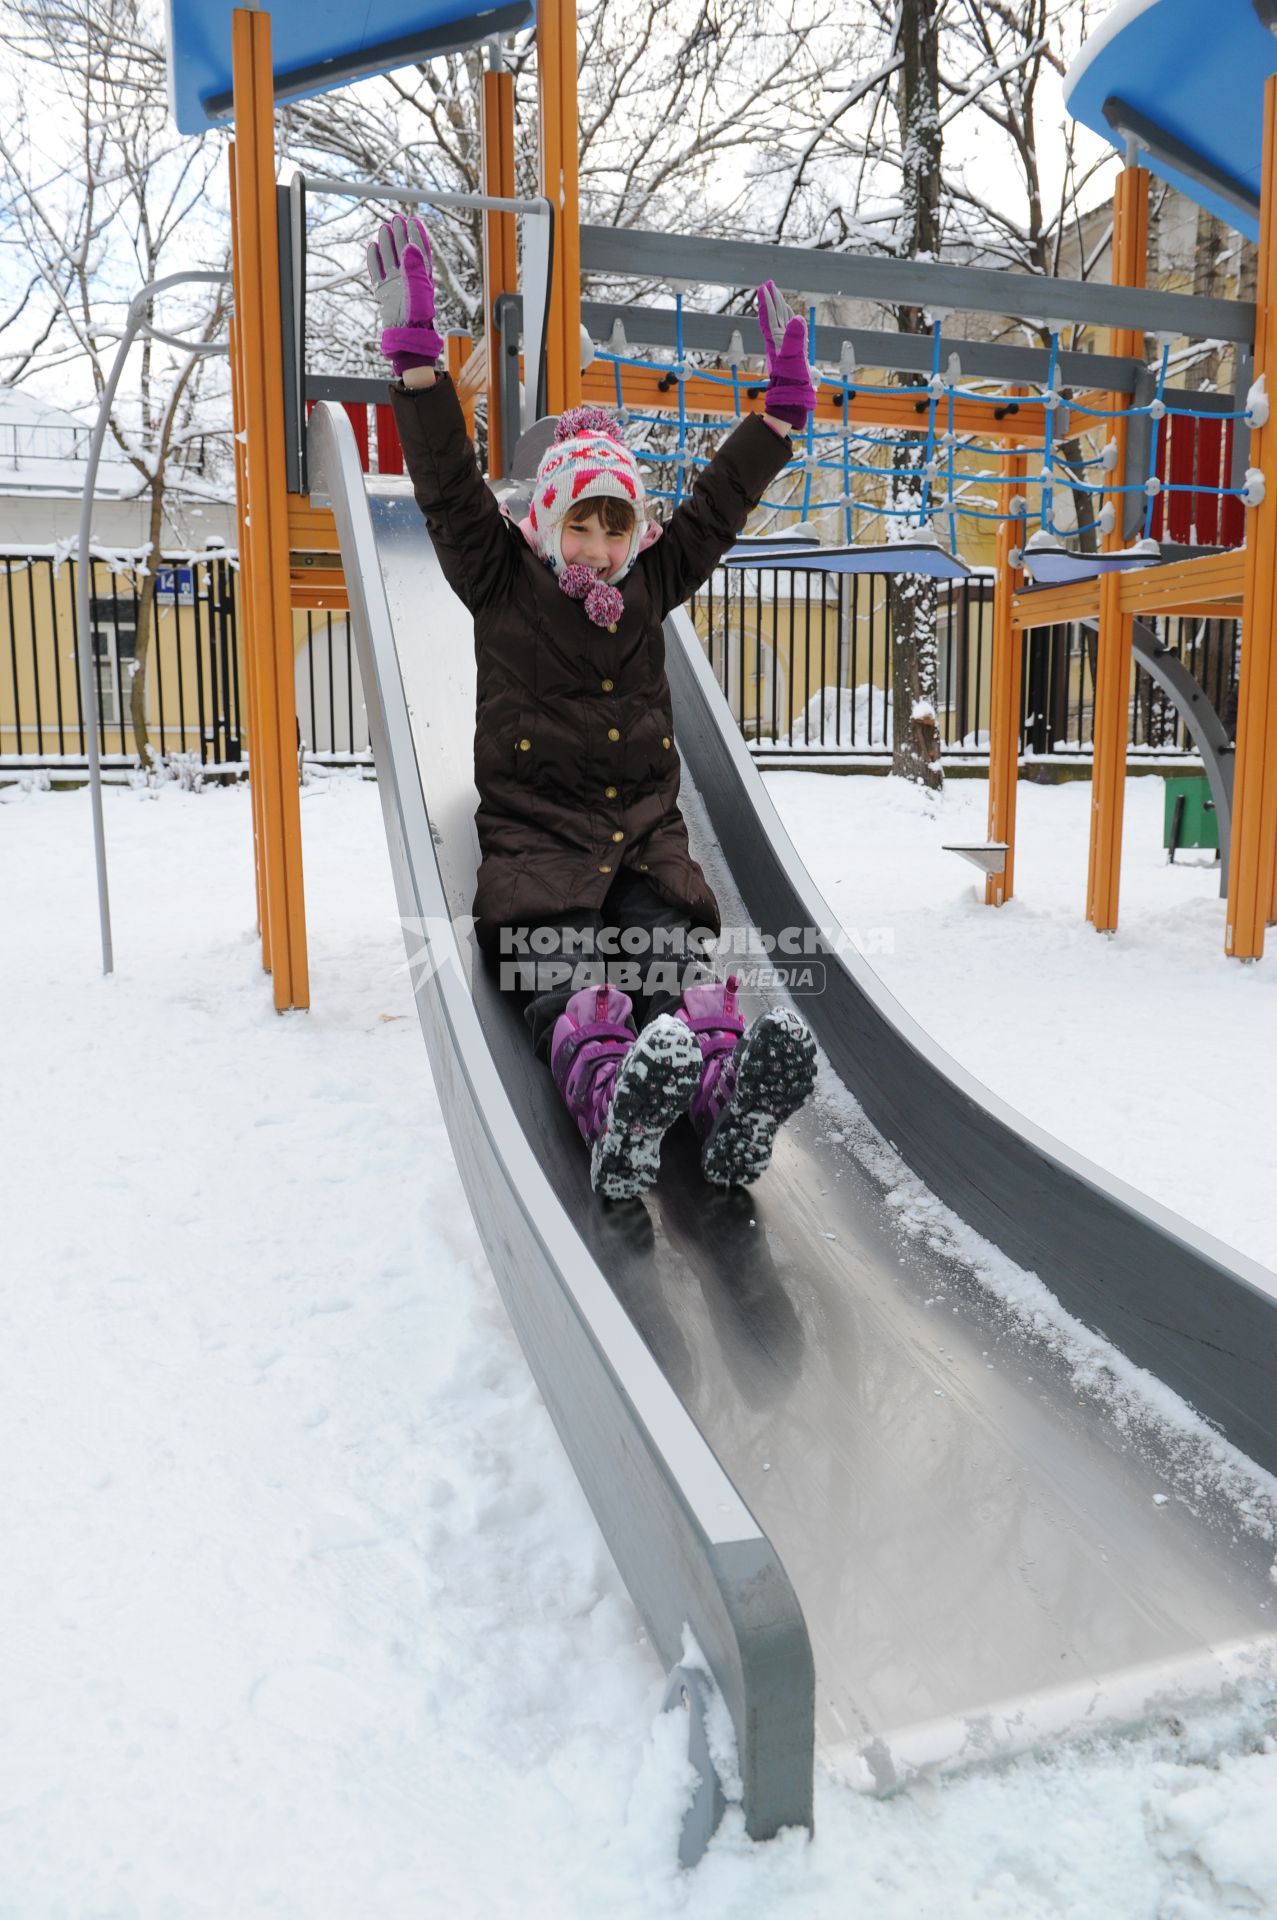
{"x": 303, "y": 1613}
{"x": 1147, "y": 1050}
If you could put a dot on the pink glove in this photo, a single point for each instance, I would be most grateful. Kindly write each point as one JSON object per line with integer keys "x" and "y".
{"x": 791, "y": 392}
{"x": 400, "y": 269}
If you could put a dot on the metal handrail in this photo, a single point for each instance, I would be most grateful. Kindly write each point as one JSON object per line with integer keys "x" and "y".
{"x": 536, "y": 269}
{"x": 135, "y": 325}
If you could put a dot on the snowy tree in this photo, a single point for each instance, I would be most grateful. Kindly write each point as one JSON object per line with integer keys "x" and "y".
{"x": 100, "y": 195}
{"x": 680, "y": 103}
{"x": 417, "y": 127}
{"x": 915, "y": 689}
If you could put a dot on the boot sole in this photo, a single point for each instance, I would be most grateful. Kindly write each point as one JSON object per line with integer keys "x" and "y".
{"x": 657, "y": 1078}
{"x": 775, "y": 1072}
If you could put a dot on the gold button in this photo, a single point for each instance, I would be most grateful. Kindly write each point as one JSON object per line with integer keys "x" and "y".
{"x": 665, "y": 739}
{"x": 607, "y": 685}
{"x": 610, "y": 792}
{"x": 642, "y": 866}
{"x": 605, "y": 869}
{"x": 611, "y": 626}
{"x": 618, "y": 835}
{"x": 524, "y": 745}
{"x": 613, "y": 733}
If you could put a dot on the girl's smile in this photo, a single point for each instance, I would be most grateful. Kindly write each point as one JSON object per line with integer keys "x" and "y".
{"x": 587, "y": 543}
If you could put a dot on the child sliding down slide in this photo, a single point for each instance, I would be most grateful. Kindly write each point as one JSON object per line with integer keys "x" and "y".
{"x": 583, "y": 848}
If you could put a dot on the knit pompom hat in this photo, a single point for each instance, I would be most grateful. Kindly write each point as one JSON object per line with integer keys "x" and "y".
{"x": 587, "y": 458}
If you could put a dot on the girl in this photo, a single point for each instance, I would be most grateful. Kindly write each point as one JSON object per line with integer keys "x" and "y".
{"x": 583, "y": 848}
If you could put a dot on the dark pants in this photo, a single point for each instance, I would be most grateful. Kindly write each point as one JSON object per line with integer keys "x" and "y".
{"x": 549, "y": 962}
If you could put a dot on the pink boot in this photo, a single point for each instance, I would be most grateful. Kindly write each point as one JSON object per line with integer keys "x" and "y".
{"x": 750, "y": 1081}
{"x": 622, "y": 1092}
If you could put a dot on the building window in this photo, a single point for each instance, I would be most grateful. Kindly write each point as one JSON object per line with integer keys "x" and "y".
{"x": 114, "y": 628}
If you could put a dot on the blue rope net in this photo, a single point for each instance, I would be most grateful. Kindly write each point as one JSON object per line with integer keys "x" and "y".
{"x": 941, "y": 488}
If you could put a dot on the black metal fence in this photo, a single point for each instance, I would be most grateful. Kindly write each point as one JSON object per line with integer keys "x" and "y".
{"x": 332, "y": 725}
{"x": 804, "y": 658}
{"x": 193, "y": 701}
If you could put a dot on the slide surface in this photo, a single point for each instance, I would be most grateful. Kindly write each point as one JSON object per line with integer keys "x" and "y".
{"x": 981, "y": 1554}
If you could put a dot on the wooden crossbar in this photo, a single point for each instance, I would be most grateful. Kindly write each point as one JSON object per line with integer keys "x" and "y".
{"x": 1208, "y": 580}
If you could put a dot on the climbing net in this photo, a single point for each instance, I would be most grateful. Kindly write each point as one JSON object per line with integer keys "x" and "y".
{"x": 927, "y": 475}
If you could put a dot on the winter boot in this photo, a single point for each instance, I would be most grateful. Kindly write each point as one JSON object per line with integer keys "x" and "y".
{"x": 622, "y": 1092}
{"x": 750, "y": 1082}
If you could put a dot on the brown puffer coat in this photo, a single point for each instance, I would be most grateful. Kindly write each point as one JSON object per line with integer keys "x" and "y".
{"x": 574, "y": 736}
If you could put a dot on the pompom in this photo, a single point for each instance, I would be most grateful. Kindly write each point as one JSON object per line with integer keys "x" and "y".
{"x": 586, "y": 420}
{"x": 603, "y": 604}
{"x": 577, "y": 581}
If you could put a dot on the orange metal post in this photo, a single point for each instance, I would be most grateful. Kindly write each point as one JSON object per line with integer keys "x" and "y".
{"x": 457, "y": 348}
{"x": 1006, "y": 692}
{"x": 264, "y": 510}
{"x": 1253, "y": 852}
{"x": 560, "y": 137}
{"x": 1113, "y": 652}
{"x": 245, "y": 578}
{"x": 500, "y": 258}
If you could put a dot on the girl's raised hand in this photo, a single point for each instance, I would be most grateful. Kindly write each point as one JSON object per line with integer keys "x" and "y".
{"x": 791, "y": 391}
{"x": 400, "y": 271}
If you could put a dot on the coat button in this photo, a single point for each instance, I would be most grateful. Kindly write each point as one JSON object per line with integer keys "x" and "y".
{"x": 611, "y": 626}
{"x": 618, "y": 835}
{"x": 610, "y": 792}
{"x": 642, "y": 866}
{"x": 607, "y": 685}
{"x": 665, "y": 739}
{"x": 613, "y": 733}
{"x": 524, "y": 745}
{"x": 605, "y": 869}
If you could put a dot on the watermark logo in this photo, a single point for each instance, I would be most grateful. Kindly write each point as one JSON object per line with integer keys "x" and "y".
{"x": 663, "y": 960}
{"x": 434, "y": 942}
{"x": 641, "y": 961}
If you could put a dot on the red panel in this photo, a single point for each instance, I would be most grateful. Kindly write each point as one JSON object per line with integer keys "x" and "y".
{"x": 1210, "y": 440}
{"x": 389, "y": 450}
{"x": 1232, "y": 515}
{"x": 357, "y": 414}
{"x": 1180, "y": 511}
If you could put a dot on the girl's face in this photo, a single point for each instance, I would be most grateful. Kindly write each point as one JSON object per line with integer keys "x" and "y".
{"x": 587, "y": 543}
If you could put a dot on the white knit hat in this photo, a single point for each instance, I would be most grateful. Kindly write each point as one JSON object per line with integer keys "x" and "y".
{"x": 586, "y": 459}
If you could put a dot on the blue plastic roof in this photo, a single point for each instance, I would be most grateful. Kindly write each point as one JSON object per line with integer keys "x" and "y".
{"x": 905, "y": 556}
{"x": 1192, "y": 73}
{"x": 318, "y": 45}
{"x": 1060, "y": 566}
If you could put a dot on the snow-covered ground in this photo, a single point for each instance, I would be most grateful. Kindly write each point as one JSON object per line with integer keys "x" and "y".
{"x": 303, "y": 1613}
{"x": 1147, "y": 1050}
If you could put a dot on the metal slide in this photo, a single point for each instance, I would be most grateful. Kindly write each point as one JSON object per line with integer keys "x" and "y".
{"x": 893, "y": 1520}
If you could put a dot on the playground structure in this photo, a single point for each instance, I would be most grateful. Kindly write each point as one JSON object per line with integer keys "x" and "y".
{"x": 840, "y": 1521}
{"x": 991, "y": 418}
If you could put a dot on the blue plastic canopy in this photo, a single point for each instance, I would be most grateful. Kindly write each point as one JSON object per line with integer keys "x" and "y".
{"x": 904, "y": 556}
{"x": 1184, "y": 79}
{"x": 317, "y": 45}
{"x": 1060, "y": 566}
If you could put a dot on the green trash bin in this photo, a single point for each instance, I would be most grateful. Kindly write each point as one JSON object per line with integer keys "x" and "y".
{"x": 1189, "y": 819}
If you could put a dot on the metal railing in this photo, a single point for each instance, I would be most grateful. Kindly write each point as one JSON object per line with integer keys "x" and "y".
{"x": 193, "y": 703}
{"x": 22, "y": 442}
